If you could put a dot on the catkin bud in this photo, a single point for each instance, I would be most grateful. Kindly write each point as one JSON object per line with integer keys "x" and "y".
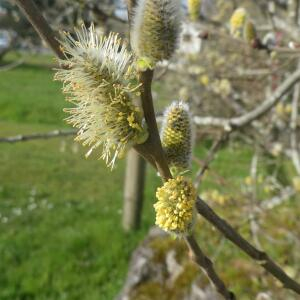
{"x": 237, "y": 22}
{"x": 249, "y": 32}
{"x": 99, "y": 81}
{"x": 177, "y": 136}
{"x": 175, "y": 206}
{"x": 155, "y": 29}
{"x": 194, "y": 9}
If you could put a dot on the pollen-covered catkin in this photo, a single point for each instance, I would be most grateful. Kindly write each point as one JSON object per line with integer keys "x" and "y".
{"x": 175, "y": 206}
{"x": 99, "y": 81}
{"x": 241, "y": 26}
{"x": 155, "y": 29}
{"x": 177, "y": 136}
{"x": 237, "y": 22}
{"x": 194, "y": 9}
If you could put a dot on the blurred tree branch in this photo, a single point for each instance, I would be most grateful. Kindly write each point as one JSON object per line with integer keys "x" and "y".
{"x": 208, "y": 267}
{"x": 31, "y": 11}
{"x": 261, "y": 257}
{"x": 37, "y": 136}
{"x": 256, "y": 113}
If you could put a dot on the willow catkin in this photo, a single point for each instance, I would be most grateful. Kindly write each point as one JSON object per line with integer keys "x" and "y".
{"x": 155, "y": 29}
{"x": 177, "y": 136}
{"x": 194, "y": 7}
{"x": 99, "y": 81}
{"x": 249, "y": 33}
{"x": 175, "y": 206}
{"x": 237, "y": 22}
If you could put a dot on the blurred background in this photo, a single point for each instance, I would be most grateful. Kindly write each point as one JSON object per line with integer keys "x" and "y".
{"x": 64, "y": 229}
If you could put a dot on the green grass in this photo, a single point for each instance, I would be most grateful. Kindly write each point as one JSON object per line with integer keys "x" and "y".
{"x": 60, "y": 214}
{"x": 29, "y": 95}
{"x": 60, "y": 233}
{"x": 67, "y": 243}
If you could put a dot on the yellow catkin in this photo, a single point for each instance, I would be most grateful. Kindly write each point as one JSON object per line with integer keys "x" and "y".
{"x": 194, "y": 9}
{"x": 296, "y": 184}
{"x": 237, "y": 22}
{"x": 175, "y": 206}
{"x": 177, "y": 136}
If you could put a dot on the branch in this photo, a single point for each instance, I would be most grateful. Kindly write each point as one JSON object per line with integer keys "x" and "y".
{"x": 206, "y": 264}
{"x": 285, "y": 194}
{"x": 286, "y": 27}
{"x": 130, "y": 8}
{"x": 293, "y": 126}
{"x": 153, "y": 144}
{"x": 254, "y": 226}
{"x": 12, "y": 65}
{"x": 31, "y": 11}
{"x": 263, "y": 259}
{"x": 256, "y": 113}
{"x": 37, "y": 136}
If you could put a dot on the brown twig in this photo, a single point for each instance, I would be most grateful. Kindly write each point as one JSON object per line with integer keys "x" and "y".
{"x": 231, "y": 234}
{"x": 130, "y": 8}
{"x": 32, "y": 12}
{"x": 153, "y": 144}
{"x": 208, "y": 267}
{"x": 256, "y": 113}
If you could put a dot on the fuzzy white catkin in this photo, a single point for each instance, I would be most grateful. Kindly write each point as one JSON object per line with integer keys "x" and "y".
{"x": 155, "y": 29}
{"x": 100, "y": 83}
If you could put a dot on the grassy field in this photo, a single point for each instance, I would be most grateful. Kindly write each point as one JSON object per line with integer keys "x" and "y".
{"x": 60, "y": 232}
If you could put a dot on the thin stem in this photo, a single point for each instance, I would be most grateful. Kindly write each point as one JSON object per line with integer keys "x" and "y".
{"x": 32, "y": 12}
{"x": 259, "y": 111}
{"x": 207, "y": 265}
{"x": 153, "y": 144}
{"x": 264, "y": 260}
{"x": 130, "y": 7}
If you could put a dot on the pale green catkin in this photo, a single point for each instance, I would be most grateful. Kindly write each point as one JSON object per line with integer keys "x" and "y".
{"x": 177, "y": 136}
{"x": 155, "y": 29}
{"x": 249, "y": 32}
